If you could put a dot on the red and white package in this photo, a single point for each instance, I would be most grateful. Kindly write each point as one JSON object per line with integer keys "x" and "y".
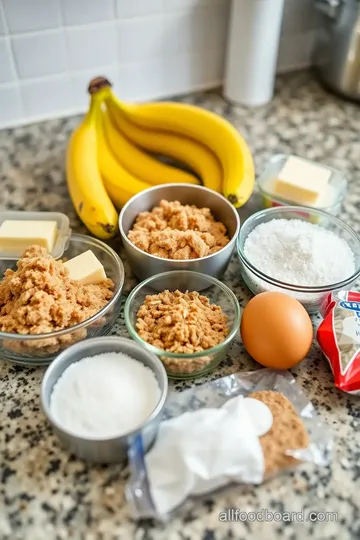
{"x": 339, "y": 338}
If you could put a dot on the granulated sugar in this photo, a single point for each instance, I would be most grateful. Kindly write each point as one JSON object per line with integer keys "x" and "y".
{"x": 104, "y": 395}
{"x": 299, "y": 253}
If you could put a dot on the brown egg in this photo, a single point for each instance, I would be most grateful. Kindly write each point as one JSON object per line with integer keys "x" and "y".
{"x": 276, "y": 330}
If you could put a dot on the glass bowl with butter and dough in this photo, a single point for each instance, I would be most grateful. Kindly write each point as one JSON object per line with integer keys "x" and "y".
{"x": 55, "y": 288}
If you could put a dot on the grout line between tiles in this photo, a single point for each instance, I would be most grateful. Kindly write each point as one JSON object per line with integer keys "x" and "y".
{"x": 16, "y": 83}
{"x": 30, "y": 81}
{"x": 116, "y": 10}
{"x": 105, "y": 23}
{"x": 61, "y": 27}
{"x": 67, "y": 54}
{"x": 117, "y": 37}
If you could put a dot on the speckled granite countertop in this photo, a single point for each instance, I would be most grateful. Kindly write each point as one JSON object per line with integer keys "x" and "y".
{"x": 47, "y": 494}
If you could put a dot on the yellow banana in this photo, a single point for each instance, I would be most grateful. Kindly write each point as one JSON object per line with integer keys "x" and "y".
{"x": 119, "y": 183}
{"x": 212, "y": 130}
{"x": 140, "y": 164}
{"x": 85, "y": 184}
{"x": 190, "y": 152}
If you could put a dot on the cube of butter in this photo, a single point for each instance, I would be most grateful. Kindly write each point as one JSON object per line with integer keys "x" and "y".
{"x": 17, "y": 235}
{"x": 86, "y": 269}
{"x": 302, "y": 182}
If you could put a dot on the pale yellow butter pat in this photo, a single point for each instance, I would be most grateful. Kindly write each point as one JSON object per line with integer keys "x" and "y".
{"x": 86, "y": 269}
{"x": 302, "y": 182}
{"x": 16, "y": 236}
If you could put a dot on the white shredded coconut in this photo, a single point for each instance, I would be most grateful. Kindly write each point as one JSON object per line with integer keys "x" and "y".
{"x": 105, "y": 395}
{"x": 299, "y": 253}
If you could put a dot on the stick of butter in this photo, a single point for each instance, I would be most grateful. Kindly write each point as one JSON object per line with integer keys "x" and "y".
{"x": 86, "y": 269}
{"x": 19, "y": 235}
{"x": 302, "y": 182}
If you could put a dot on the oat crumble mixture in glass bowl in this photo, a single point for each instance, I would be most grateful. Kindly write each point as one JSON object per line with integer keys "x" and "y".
{"x": 101, "y": 305}
{"x": 181, "y": 311}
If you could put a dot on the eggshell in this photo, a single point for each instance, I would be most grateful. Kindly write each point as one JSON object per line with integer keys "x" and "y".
{"x": 276, "y": 330}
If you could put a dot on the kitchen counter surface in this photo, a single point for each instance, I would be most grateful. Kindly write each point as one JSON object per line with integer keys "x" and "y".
{"x": 47, "y": 494}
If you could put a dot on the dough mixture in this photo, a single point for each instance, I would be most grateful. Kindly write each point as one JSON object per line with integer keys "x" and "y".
{"x": 39, "y": 297}
{"x": 174, "y": 231}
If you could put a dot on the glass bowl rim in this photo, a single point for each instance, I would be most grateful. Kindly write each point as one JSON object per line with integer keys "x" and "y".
{"x": 98, "y": 243}
{"x": 283, "y": 202}
{"x": 176, "y": 262}
{"x": 160, "y": 352}
{"x": 283, "y": 284}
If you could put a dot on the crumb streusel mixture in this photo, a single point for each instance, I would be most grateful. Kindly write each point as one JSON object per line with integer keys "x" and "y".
{"x": 181, "y": 322}
{"x": 39, "y": 297}
{"x": 174, "y": 231}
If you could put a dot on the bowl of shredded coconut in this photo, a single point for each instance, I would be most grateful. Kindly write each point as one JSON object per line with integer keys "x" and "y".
{"x": 302, "y": 252}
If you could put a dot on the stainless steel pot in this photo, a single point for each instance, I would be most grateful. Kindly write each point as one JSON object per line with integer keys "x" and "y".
{"x": 337, "y": 47}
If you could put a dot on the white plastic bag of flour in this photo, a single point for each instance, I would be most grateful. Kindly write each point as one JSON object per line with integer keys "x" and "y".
{"x": 208, "y": 440}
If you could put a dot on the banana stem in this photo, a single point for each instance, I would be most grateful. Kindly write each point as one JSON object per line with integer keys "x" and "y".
{"x": 98, "y": 84}
{"x": 93, "y": 110}
{"x": 95, "y": 105}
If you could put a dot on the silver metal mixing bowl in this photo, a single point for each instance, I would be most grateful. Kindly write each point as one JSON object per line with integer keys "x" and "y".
{"x": 145, "y": 265}
{"x": 104, "y": 450}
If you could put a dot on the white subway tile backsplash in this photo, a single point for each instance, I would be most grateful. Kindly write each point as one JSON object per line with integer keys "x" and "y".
{"x": 192, "y": 71}
{"x": 149, "y": 49}
{"x": 169, "y": 6}
{"x": 210, "y": 26}
{"x": 141, "y": 38}
{"x": 172, "y": 34}
{"x": 7, "y": 73}
{"x": 171, "y": 75}
{"x": 80, "y": 82}
{"x": 10, "y": 105}
{"x": 39, "y": 54}
{"x": 298, "y": 17}
{"x": 179, "y": 72}
{"x": 295, "y": 51}
{"x": 47, "y": 96}
{"x": 2, "y": 22}
{"x": 92, "y": 47}
{"x": 141, "y": 81}
{"x": 138, "y": 8}
{"x": 81, "y": 12}
{"x": 211, "y": 68}
{"x": 31, "y": 15}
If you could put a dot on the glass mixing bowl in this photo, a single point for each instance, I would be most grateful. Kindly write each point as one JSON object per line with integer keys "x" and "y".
{"x": 41, "y": 349}
{"x": 311, "y": 298}
{"x": 179, "y": 365}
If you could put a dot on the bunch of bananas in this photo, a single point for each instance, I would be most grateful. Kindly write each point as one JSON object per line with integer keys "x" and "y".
{"x": 109, "y": 156}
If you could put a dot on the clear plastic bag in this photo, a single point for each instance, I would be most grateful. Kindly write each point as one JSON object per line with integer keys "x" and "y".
{"x": 214, "y": 394}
